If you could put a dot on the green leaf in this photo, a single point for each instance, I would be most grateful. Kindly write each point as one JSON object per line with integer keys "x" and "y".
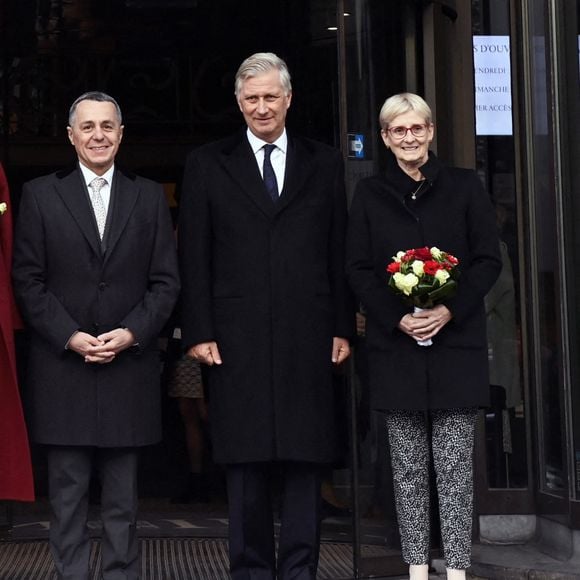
{"x": 448, "y": 290}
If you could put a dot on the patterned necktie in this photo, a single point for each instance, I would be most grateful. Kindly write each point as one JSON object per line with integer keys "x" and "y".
{"x": 98, "y": 205}
{"x": 268, "y": 172}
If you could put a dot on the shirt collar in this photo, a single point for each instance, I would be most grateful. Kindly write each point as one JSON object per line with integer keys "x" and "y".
{"x": 89, "y": 175}
{"x": 256, "y": 143}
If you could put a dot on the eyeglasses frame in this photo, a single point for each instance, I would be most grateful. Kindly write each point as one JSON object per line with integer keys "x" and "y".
{"x": 425, "y": 126}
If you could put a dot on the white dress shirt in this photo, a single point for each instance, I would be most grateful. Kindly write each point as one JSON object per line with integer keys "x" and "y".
{"x": 277, "y": 157}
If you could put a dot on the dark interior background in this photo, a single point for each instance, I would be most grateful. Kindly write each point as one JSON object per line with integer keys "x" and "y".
{"x": 171, "y": 66}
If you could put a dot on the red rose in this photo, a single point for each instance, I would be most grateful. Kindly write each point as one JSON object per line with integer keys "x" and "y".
{"x": 423, "y": 254}
{"x": 409, "y": 256}
{"x": 431, "y": 266}
{"x": 393, "y": 267}
{"x": 452, "y": 259}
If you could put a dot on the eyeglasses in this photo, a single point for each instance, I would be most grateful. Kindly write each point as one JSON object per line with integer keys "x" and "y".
{"x": 401, "y": 132}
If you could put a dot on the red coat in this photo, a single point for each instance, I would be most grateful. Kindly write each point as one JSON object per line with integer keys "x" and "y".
{"x": 16, "y": 481}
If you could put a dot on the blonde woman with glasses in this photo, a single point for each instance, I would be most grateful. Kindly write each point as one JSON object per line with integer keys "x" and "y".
{"x": 429, "y": 395}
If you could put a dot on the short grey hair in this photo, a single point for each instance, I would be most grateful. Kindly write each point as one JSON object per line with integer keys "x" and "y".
{"x": 401, "y": 104}
{"x": 261, "y": 63}
{"x": 93, "y": 96}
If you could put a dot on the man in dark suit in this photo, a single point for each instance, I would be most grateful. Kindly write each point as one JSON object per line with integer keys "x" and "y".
{"x": 95, "y": 271}
{"x": 265, "y": 305}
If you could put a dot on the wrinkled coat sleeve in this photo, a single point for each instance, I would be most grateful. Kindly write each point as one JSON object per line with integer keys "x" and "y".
{"x": 484, "y": 267}
{"x": 40, "y": 307}
{"x": 194, "y": 245}
{"x": 371, "y": 288}
{"x": 343, "y": 302}
{"x": 149, "y": 315}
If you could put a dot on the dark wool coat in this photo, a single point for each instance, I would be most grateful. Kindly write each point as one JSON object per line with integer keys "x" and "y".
{"x": 266, "y": 281}
{"x": 453, "y": 213}
{"x": 66, "y": 280}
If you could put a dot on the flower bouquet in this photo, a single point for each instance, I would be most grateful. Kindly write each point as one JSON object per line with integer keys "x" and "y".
{"x": 423, "y": 277}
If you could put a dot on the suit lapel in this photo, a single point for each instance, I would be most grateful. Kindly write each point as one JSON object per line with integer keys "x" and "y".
{"x": 73, "y": 192}
{"x": 125, "y": 193}
{"x": 299, "y": 167}
{"x": 239, "y": 161}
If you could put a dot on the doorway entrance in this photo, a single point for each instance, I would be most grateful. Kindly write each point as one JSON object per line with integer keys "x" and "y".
{"x": 171, "y": 65}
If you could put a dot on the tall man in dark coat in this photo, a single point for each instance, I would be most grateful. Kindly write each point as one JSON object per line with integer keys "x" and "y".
{"x": 96, "y": 276}
{"x": 265, "y": 305}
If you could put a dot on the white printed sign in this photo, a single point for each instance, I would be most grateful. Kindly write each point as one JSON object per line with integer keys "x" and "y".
{"x": 493, "y": 93}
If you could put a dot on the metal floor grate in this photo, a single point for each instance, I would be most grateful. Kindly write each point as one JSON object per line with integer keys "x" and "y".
{"x": 161, "y": 559}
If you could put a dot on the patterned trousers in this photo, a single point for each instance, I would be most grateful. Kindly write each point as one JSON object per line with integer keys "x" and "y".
{"x": 452, "y": 436}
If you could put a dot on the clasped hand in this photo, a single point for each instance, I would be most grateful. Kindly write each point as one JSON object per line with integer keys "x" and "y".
{"x": 101, "y": 349}
{"x": 425, "y": 324}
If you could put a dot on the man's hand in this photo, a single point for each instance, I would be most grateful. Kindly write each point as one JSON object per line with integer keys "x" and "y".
{"x": 206, "y": 353}
{"x": 426, "y": 324}
{"x": 110, "y": 344}
{"x": 361, "y": 324}
{"x": 83, "y": 343}
{"x": 340, "y": 350}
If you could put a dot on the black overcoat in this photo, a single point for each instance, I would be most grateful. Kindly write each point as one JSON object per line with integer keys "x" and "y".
{"x": 67, "y": 280}
{"x": 266, "y": 281}
{"x": 453, "y": 213}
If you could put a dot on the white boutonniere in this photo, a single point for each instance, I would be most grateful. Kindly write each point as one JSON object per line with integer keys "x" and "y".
{"x": 3, "y": 207}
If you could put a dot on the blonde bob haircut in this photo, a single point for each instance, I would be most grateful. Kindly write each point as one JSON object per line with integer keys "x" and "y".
{"x": 261, "y": 63}
{"x": 401, "y": 104}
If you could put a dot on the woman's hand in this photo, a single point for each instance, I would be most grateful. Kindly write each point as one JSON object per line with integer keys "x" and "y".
{"x": 426, "y": 324}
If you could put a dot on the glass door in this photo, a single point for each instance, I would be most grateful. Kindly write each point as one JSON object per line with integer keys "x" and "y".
{"x": 377, "y": 51}
{"x": 502, "y": 474}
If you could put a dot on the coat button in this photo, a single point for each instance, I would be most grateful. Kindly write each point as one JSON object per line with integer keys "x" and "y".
{"x": 102, "y": 286}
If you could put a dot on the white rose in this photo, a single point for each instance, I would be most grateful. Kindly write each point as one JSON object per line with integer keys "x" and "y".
{"x": 436, "y": 252}
{"x": 417, "y": 267}
{"x": 398, "y": 257}
{"x": 3, "y": 207}
{"x": 441, "y": 276}
{"x": 405, "y": 282}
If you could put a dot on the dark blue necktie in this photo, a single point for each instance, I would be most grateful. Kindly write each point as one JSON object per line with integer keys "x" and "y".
{"x": 269, "y": 175}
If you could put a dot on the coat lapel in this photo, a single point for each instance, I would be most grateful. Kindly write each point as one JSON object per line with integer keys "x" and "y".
{"x": 72, "y": 191}
{"x": 125, "y": 193}
{"x": 239, "y": 161}
{"x": 299, "y": 167}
